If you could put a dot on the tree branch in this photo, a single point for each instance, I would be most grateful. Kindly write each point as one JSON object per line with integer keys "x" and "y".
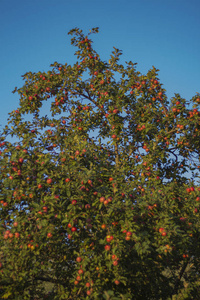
{"x": 177, "y": 283}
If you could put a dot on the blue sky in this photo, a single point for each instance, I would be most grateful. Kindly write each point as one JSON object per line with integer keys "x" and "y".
{"x": 160, "y": 33}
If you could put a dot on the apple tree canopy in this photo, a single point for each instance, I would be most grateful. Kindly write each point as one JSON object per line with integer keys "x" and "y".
{"x": 99, "y": 184}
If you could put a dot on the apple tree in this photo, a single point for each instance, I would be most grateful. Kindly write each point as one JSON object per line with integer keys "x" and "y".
{"x": 99, "y": 184}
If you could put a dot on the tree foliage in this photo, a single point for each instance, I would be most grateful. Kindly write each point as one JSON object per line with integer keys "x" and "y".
{"x": 99, "y": 190}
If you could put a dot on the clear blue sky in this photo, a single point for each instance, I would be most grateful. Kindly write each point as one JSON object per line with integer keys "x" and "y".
{"x": 163, "y": 33}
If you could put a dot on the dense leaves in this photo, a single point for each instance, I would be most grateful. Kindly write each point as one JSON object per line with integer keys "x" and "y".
{"x": 99, "y": 190}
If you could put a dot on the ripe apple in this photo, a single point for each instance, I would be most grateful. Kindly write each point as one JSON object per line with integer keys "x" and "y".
{"x": 88, "y": 292}
{"x": 78, "y": 278}
{"x": 107, "y": 247}
{"x": 87, "y": 284}
{"x": 10, "y": 235}
{"x": 79, "y": 259}
{"x": 102, "y": 199}
{"x": 129, "y": 233}
{"x": 20, "y": 160}
{"x": 49, "y": 180}
{"x": 108, "y": 238}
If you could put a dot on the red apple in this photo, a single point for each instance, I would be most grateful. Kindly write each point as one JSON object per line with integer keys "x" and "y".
{"x": 78, "y": 278}
{"x": 107, "y": 247}
{"x": 129, "y": 233}
{"x": 87, "y": 284}
{"x": 102, "y": 199}
{"x": 15, "y": 224}
{"x": 49, "y": 180}
{"x": 88, "y": 292}
{"x": 20, "y": 160}
{"x": 78, "y": 259}
{"x": 74, "y": 229}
